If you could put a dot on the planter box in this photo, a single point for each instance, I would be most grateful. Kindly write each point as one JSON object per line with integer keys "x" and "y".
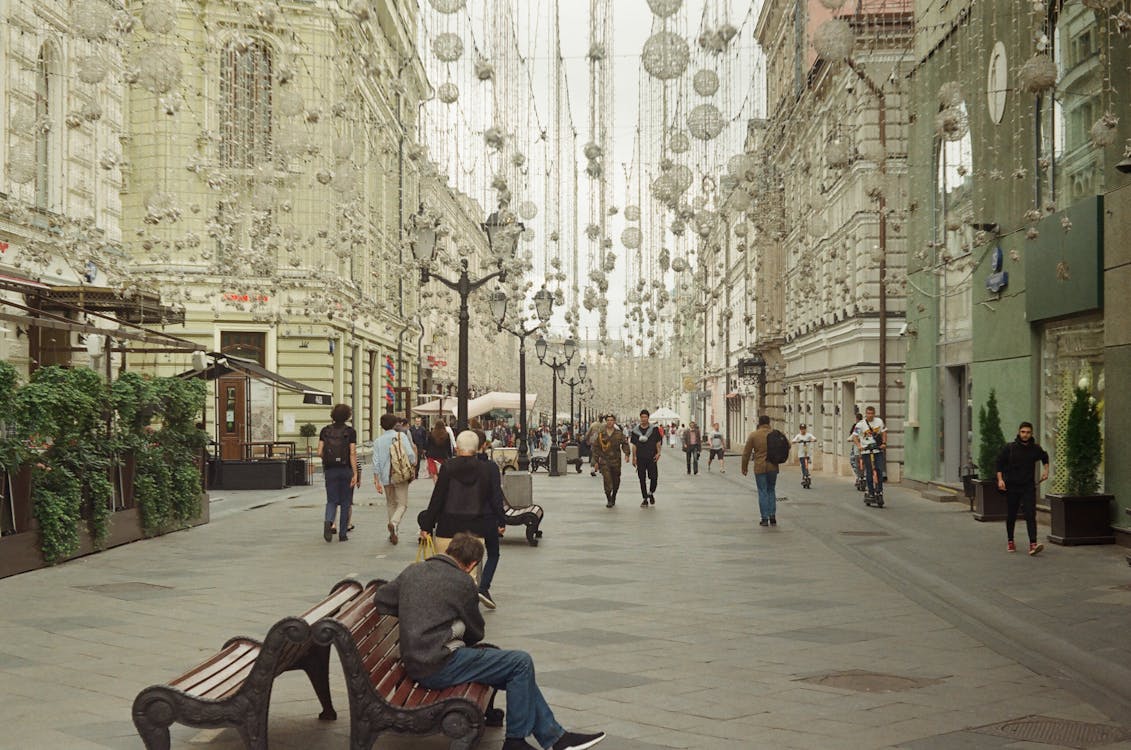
{"x": 1080, "y": 520}
{"x": 989, "y": 504}
{"x": 251, "y": 475}
{"x": 20, "y": 552}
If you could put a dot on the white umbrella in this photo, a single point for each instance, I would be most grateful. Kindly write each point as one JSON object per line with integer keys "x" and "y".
{"x": 663, "y": 413}
{"x": 433, "y": 407}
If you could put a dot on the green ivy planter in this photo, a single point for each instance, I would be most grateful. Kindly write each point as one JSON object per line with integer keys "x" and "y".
{"x": 1082, "y": 519}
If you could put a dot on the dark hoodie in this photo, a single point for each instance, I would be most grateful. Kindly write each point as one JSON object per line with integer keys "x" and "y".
{"x": 1017, "y": 463}
{"x": 461, "y": 500}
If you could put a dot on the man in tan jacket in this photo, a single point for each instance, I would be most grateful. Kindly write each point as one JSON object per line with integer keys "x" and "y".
{"x": 765, "y": 473}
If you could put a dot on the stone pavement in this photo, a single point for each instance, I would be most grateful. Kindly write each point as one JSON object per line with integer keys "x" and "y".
{"x": 680, "y": 626}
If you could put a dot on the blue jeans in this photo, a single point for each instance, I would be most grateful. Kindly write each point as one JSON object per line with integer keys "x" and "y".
{"x": 874, "y": 461}
{"x": 804, "y": 466}
{"x": 767, "y": 497}
{"x": 339, "y": 495}
{"x": 491, "y": 542}
{"x": 512, "y": 671}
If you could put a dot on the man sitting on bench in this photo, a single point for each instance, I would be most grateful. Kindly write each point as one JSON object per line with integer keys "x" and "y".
{"x": 437, "y": 603}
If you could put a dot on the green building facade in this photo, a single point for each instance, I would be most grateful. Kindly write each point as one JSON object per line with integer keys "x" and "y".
{"x": 1018, "y": 230}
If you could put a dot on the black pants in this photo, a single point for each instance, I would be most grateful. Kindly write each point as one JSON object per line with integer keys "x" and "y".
{"x": 649, "y": 474}
{"x": 1022, "y": 499}
{"x": 692, "y": 459}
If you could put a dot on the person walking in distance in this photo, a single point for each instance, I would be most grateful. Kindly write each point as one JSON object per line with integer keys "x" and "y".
{"x": 717, "y": 444}
{"x": 871, "y": 440}
{"x": 692, "y": 446}
{"x": 646, "y": 440}
{"x": 394, "y": 466}
{"x": 438, "y": 448}
{"x": 854, "y": 453}
{"x": 419, "y": 434}
{"x": 1016, "y": 468}
{"x": 608, "y": 445}
{"x": 440, "y": 625}
{"x": 765, "y": 472}
{"x": 337, "y": 447}
{"x": 804, "y": 440}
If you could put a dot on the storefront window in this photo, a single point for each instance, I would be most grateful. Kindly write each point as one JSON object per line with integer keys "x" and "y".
{"x": 1071, "y": 356}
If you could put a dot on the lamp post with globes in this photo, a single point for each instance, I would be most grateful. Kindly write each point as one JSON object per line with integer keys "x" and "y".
{"x": 541, "y": 348}
{"x": 543, "y": 308}
{"x": 502, "y": 236}
{"x": 577, "y": 379}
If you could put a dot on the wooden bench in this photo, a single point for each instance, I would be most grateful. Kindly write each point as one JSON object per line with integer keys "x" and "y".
{"x": 233, "y": 687}
{"x": 383, "y": 698}
{"x": 529, "y": 516}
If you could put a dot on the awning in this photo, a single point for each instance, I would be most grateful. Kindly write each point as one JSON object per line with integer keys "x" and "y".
{"x": 433, "y": 407}
{"x": 138, "y": 307}
{"x": 499, "y": 400}
{"x": 223, "y": 364}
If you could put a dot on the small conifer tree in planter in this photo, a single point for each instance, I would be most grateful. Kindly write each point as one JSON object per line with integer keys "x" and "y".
{"x": 307, "y": 431}
{"x": 1082, "y": 515}
{"x": 989, "y": 504}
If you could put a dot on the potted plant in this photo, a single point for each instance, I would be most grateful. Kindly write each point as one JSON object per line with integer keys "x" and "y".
{"x": 307, "y": 431}
{"x": 989, "y": 503}
{"x": 1082, "y": 515}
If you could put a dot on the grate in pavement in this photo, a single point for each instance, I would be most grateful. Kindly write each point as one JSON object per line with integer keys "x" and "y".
{"x": 865, "y": 533}
{"x": 1066, "y": 732}
{"x": 870, "y": 682}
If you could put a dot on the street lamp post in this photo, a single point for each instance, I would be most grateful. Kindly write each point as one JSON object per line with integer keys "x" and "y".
{"x": 569, "y": 348}
{"x": 543, "y": 307}
{"x": 502, "y": 236}
{"x": 573, "y": 382}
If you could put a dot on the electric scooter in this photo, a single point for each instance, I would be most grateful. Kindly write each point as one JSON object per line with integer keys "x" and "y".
{"x": 871, "y": 500}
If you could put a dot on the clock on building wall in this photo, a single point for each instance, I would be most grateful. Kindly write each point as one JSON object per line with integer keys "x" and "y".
{"x": 997, "y": 83}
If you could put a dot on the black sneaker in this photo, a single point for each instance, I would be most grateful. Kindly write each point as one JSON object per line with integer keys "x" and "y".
{"x": 328, "y": 531}
{"x": 575, "y": 741}
{"x": 517, "y": 743}
{"x": 644, "y": 504}
{"x": 343, "y": 538}
{"x": 763, "y": 522}
{"x": 773, "y": 520}
{"x": 486, "y": 600}
{"x": 652, "y": 499}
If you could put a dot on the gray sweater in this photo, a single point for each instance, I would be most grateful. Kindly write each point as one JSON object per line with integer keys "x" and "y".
{"x": 429, "y": 598}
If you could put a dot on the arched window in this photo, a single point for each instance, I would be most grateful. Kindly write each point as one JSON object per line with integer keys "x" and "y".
{"x": 45, "y": 95}
{"x": 954, "y": 234}
{"x": 245, "y": 104}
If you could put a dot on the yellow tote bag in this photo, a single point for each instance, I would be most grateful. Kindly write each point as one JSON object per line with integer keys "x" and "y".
{"x": 425, "y": 548}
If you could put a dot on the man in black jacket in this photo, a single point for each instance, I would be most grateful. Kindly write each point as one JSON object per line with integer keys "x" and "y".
{"x": 419, "y": 437}
{"x": 1016, "y": 466}
{"x": 437, "y": 603}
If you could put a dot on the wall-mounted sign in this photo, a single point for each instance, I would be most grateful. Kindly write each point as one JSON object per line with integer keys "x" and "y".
{"x": 998, "y": 279}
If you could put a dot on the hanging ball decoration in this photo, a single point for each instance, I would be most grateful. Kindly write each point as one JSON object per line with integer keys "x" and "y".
{"x": 1038, "y": 74}
{"x": 706, "y": 82}
{"x": 1104, "y": 131}
{"x": 528, "y": 234}
{"x": 92, "y": 68}
{"x": 679, "y": 265}
{"x": 705, "y": 122}
{"x": 631, "y": 238}
{"x": 738, "y": 164}
{"x": 342, "y": 148}
{"x": 665, "y": 55}
{"x": 593, "y": 151}
{"x": 21, "y": 165}
{"x": 950, "y": 94}
{"x": 678, "y": 142}
{"x": 159, "y": 68}
{"x": 91, "y": 19}
{"x": 324, "y": 176}
{"x": 527, "y": 210}
{"x": 448, "y": 92}
{"x": 290, "y": 103}
{"x": 681, "y": 176}
{"x": 834, "y": 40}
{"x": 665, "y": 8}
{"x": 484, "y": 70}
{"x": 158, "y": 17}
{"x": 952, "y": 123}
{"x": 447, "y": 6}
{"x": 447, "y": 47}
{"x": 726, "y": 32}
{"x": 632, "y": 213}
{"x": 838, "y": 154}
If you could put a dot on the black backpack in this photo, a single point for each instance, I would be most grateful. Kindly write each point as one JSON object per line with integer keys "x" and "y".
{"x": 777, "y": 447}
{"x": 336, "y": 446}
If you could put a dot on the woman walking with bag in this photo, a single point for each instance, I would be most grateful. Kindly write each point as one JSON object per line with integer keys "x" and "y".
{"x": 438, "y": 448}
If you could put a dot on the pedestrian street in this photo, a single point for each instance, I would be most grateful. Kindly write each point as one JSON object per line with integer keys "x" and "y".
{"x": 683, "y": 625}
